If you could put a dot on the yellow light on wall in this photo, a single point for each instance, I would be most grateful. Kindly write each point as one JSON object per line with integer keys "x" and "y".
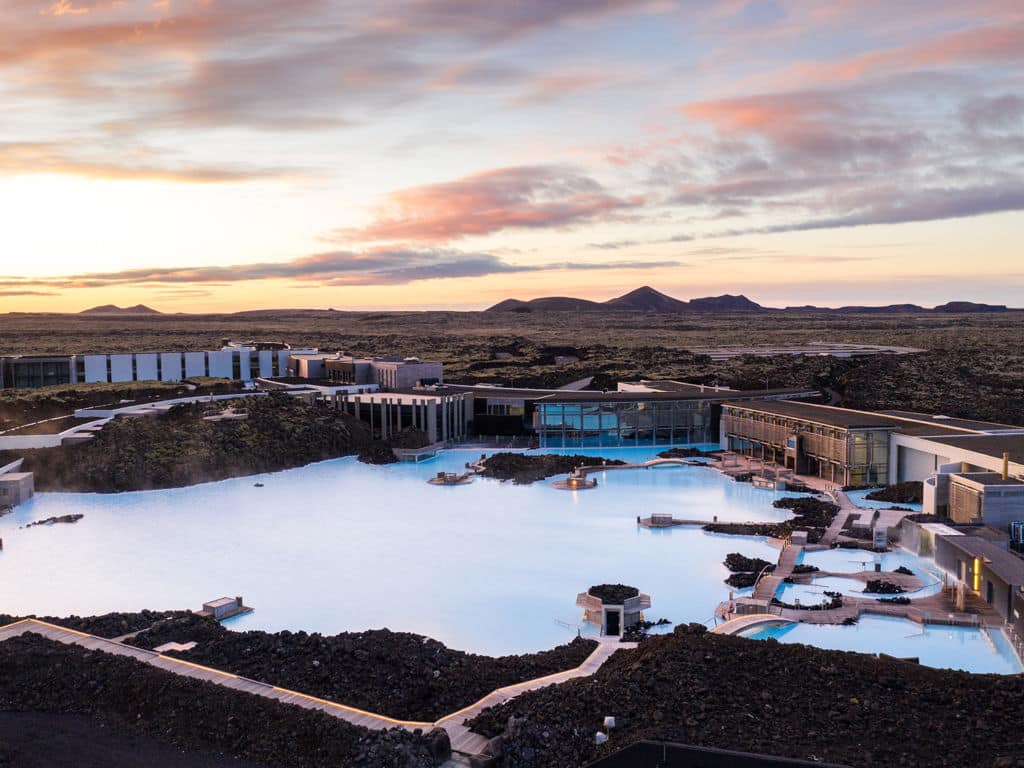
{"x": 977, "y": 575}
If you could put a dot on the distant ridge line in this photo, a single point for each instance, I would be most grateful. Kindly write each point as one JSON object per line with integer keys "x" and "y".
{"x": 647, "y": 299}
{"x": 113, "y": 309}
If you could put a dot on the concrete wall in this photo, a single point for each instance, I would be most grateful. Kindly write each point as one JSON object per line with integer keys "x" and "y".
{"x": 1002, "y": 506}
{"x": 244, "y": 364}
{"x": 221, "y": 364}
{"x": 282, "y": 361}
{"x": 914, "y": 464}
{"x": 308, "y": 367}
{"x": 170, "y": 366}
{"x": 914, "y": 458}
{"x": 266, "y": 358}
{"x": 26, "y": 442}
{"x": 121, "y": 368}
{"x": 146, "y": 367}
{"x": 95, "y": 368}
{"x": 408, "y": 374}
{"x": 16, "y": 487}
{"x": 942, "y": 454}
{"x": 948, "y": 558}
{"x": 195, "y": 364}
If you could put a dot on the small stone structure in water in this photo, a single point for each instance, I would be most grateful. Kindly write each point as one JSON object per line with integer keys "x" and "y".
{"x": 613, "y": 607}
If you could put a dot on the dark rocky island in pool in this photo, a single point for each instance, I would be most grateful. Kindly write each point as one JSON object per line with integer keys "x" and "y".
{"x": 54, "y": 520}
{"x": 686, "y": 453}
{"x": 809, "y": 514}
{"x": 613, "y": 594}
{"x": 522, "y": 468}
{"x": 183, "y": 447}
{"x": 745, "y": 570}
{"x": 911, "y": 492}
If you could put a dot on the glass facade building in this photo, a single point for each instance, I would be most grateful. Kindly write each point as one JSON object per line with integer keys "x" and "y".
{"x": 610, "y": 423}
{"x": 28, "y": 372}
{"x": 842, "y": 453}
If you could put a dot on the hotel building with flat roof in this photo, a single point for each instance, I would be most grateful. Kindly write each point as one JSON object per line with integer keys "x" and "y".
{"x": 971, "y": 469}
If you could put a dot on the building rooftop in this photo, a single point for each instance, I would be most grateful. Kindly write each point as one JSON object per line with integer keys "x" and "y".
{"x": 988, "y": 445}
{"x": 820, "y": 414}
{"x": 948, "y": 421}
{"x": 709, "y": 393}
{"x": 906, "y": 422}
{"x": 988, "y": 478}
{"x": 666, "y": 385}
{"x": 221, "y": 601}
{"x": 1006, "y": 565}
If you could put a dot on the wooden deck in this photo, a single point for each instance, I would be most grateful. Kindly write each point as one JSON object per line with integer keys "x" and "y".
{"x": 846, "y": 508}
{"x": 732, "y": 626}
{"x": 590, "y": 468}
{"x": 769, "y": 584}
{"x": 462, "y": 739}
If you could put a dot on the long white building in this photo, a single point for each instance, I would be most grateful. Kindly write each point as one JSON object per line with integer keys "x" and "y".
{"x": 244, "y": 361}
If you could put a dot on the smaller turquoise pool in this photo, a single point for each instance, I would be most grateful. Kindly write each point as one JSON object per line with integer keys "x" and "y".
{"x": 964, "y": 648}
{"x": 842, "y": 560}
{"x": 860, "y": 499}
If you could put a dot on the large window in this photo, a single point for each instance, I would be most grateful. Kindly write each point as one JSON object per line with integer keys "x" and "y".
{"x": 868, "y": 457}
{"x": 41, "y": 373}
{"x": 622, "y": 423}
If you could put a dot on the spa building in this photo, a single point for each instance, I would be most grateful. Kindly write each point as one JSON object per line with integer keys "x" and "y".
{"x": 971, "y": 469}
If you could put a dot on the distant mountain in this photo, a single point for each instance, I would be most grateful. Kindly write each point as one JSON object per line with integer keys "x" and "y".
{"x": 888, "y": 309}
{"x": 547, "y": 304}
{"x": 970, "y": 306}
{"x": 724, "y": 303}
{"x": 113, "y": 309}
{"x": 647, "y": 299}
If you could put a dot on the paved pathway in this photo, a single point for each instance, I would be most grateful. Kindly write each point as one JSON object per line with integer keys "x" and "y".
{"x": 769, "y": 584}
{"x": 462, "y": 739}
{"x": 846, "y": 508}
{"x": 454, "y": 723}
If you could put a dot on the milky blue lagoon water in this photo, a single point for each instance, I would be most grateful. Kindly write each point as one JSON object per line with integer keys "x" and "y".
{"x": 935, "y": 645}
{"x": 860, "y": 499}
{"x": 489, "y": 567}
{"x": 341, "y": 545}
{"x": 842, "y": 560}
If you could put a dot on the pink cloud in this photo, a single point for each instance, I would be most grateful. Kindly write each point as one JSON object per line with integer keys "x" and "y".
{"x": 488, "y": 202}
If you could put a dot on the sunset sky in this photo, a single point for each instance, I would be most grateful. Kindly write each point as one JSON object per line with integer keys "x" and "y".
{"x": 207, "y": 155}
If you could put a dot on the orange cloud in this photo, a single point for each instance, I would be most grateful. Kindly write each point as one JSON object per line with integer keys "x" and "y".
{"x": 771, "y": 113}
{"x": 32, "y": 158}
{"x": 490, "y": 201}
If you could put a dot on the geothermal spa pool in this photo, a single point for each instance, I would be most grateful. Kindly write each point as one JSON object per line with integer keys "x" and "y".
{"x": 852, "y": 560}
{"x": 966, "y": 648}
{"x": 861, "y": 500}
{"x": 337, "y": 546}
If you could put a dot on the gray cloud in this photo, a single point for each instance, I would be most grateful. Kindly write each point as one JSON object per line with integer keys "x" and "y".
{"x": 1000, "y": 113}
{"x": 900, "y": 207}
{"x": 340, "y": 268}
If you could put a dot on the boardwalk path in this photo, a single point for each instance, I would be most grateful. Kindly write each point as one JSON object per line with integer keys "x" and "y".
{"x": 769, "y": 584}
{"x": 846, "y": 508}
{"x": 462, "y": 739}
